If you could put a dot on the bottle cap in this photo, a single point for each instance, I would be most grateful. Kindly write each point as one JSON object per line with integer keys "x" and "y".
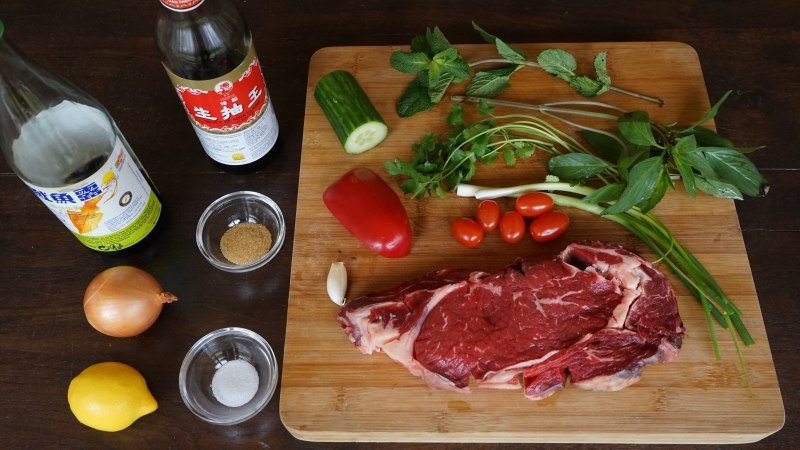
{"x": 2, "y": 28}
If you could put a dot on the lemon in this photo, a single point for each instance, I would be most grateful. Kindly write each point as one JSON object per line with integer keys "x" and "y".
{"x": 110, "y": 396}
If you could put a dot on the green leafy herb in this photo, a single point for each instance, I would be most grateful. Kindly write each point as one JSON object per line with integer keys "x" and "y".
{"x": 437, "y": 65}
{"x": 643, "y": 157}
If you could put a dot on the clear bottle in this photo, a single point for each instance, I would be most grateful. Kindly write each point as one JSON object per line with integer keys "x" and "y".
{"x": 65, "y": 146}
{"x": 207, "y": 50}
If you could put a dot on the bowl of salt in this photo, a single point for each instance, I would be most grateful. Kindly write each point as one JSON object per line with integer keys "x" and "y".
{"x": 228, "y": 376}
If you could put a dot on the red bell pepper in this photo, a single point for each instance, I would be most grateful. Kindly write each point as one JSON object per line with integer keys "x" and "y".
{"x": 371, "y": 211}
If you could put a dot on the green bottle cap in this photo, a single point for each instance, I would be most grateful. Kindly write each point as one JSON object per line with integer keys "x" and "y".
{"x": 2, "y": 28}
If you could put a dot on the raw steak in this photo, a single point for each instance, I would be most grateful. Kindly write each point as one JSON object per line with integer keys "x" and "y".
{"x": 597, "y": 313}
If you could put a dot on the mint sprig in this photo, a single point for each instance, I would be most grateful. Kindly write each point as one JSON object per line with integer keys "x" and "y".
{"x": 437, "y": 65}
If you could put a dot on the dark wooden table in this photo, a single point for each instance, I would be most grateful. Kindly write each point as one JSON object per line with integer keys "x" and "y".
{"x": 108, "y": 49}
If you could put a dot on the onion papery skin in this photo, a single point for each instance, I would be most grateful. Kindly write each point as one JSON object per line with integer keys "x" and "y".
{"x": 124, "y": 301}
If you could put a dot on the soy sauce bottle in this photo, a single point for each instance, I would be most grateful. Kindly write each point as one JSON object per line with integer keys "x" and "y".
{"x": 66, "y": 148}
{"x": 207, "y": 49}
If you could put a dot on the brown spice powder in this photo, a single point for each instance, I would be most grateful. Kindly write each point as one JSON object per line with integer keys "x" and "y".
{"x": 245, "y": 242}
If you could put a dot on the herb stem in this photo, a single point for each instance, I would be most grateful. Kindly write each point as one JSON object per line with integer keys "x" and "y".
{"x": 658, "y": 101}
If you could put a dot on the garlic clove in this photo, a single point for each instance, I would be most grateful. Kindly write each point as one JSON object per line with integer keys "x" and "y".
{"x": 337, "y": 283}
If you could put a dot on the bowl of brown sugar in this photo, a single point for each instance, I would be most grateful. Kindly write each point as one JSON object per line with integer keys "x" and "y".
{"x": 240, "y": 231}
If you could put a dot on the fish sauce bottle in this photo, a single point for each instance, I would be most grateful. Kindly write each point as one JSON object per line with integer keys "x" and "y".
{"x": 66, "y": 148}
{"x": 207, "y": 49}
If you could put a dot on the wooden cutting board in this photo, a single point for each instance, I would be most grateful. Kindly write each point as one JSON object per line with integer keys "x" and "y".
{"x": 331, "y": 392}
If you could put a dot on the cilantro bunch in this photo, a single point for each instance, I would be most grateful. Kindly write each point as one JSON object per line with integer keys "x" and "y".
{"x": 437, "y": 65}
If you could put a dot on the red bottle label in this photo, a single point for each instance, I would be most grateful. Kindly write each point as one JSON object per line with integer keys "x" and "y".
{"x": 227, "y": 103}
{"x": 181, "y": 5}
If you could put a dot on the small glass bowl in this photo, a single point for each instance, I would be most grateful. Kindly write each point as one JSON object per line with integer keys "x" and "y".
{"x": 210, "y": 353}
{"x": 233, "y": 209}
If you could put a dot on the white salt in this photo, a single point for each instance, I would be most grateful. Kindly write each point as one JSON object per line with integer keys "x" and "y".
{"x": 235, "y": 383}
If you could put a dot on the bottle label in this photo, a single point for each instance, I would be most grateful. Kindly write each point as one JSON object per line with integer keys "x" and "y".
{"x": 181, "y": 5}
{"x": 232, "y": 114}
{"x": 109, "y": 211}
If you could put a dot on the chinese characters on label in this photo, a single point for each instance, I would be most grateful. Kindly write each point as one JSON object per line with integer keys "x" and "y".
{"x": 82, "y": 194}
{"x": 230, "y": 105}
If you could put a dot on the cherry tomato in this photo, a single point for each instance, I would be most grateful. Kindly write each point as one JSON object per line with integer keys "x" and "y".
{"x": 488, "y": 214}
{"x": 467, "y": 232}
{"x": 549, "y": 226}
{"x": 512, "y": 227}
{"x": 533, "y": 204}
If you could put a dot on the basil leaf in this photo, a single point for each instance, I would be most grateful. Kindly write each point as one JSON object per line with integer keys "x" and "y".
{"x": 409, "y": 62}
{"x": 643, "y": 182}
{"x": 687, "y": 174}
{"x": 491, "y": 83}
{"x": 635, "y": 127}
{"x": 712, "y": 112}
{"x": 415, "y": 98}
{"x": 558, "y": 63}
{"x": 736, "y": 169}
{"x": 656, "y": 194}
{"x": 686, "y": 144}
{"x": 586, "y": 86}
{"x": 609, "y": 148}
{"x": 508, "y": 52}
{"x": 605, "y": 194}
{"x": 708, "y": 138}
{"x": 576, "y": 166}
{"x": 718, "y": 188}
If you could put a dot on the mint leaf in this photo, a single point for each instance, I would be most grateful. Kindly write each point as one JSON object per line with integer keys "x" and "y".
{"x": 635, "y": 127}
{"x": 576, "y": 166}
{"x": 586, "y": 86}
{"x": 508, "y": 52}
{"x": 643, "y": 182}
{"x": 491, "y": 83}
{"x": 600, "y": 69}
{"x": 436, "y": 40}
{"x": 438, "y": 87}
{"x": 409, "y": 62}
{"x": 558, "y": 63}
{"x": 415, "y": 98}
{"x": 450, "y": 62}
{"x": 419, "y": 44}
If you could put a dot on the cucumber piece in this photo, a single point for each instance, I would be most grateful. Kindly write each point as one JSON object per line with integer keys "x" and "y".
{"x": 350, "y": 112}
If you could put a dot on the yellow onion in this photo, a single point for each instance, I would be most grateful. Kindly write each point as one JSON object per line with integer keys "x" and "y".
{"x": 124, "y": 301}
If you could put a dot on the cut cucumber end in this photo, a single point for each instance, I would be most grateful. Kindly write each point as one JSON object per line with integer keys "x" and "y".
{"x": 354, "y": 119}
{"x": 366, "y": 137}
